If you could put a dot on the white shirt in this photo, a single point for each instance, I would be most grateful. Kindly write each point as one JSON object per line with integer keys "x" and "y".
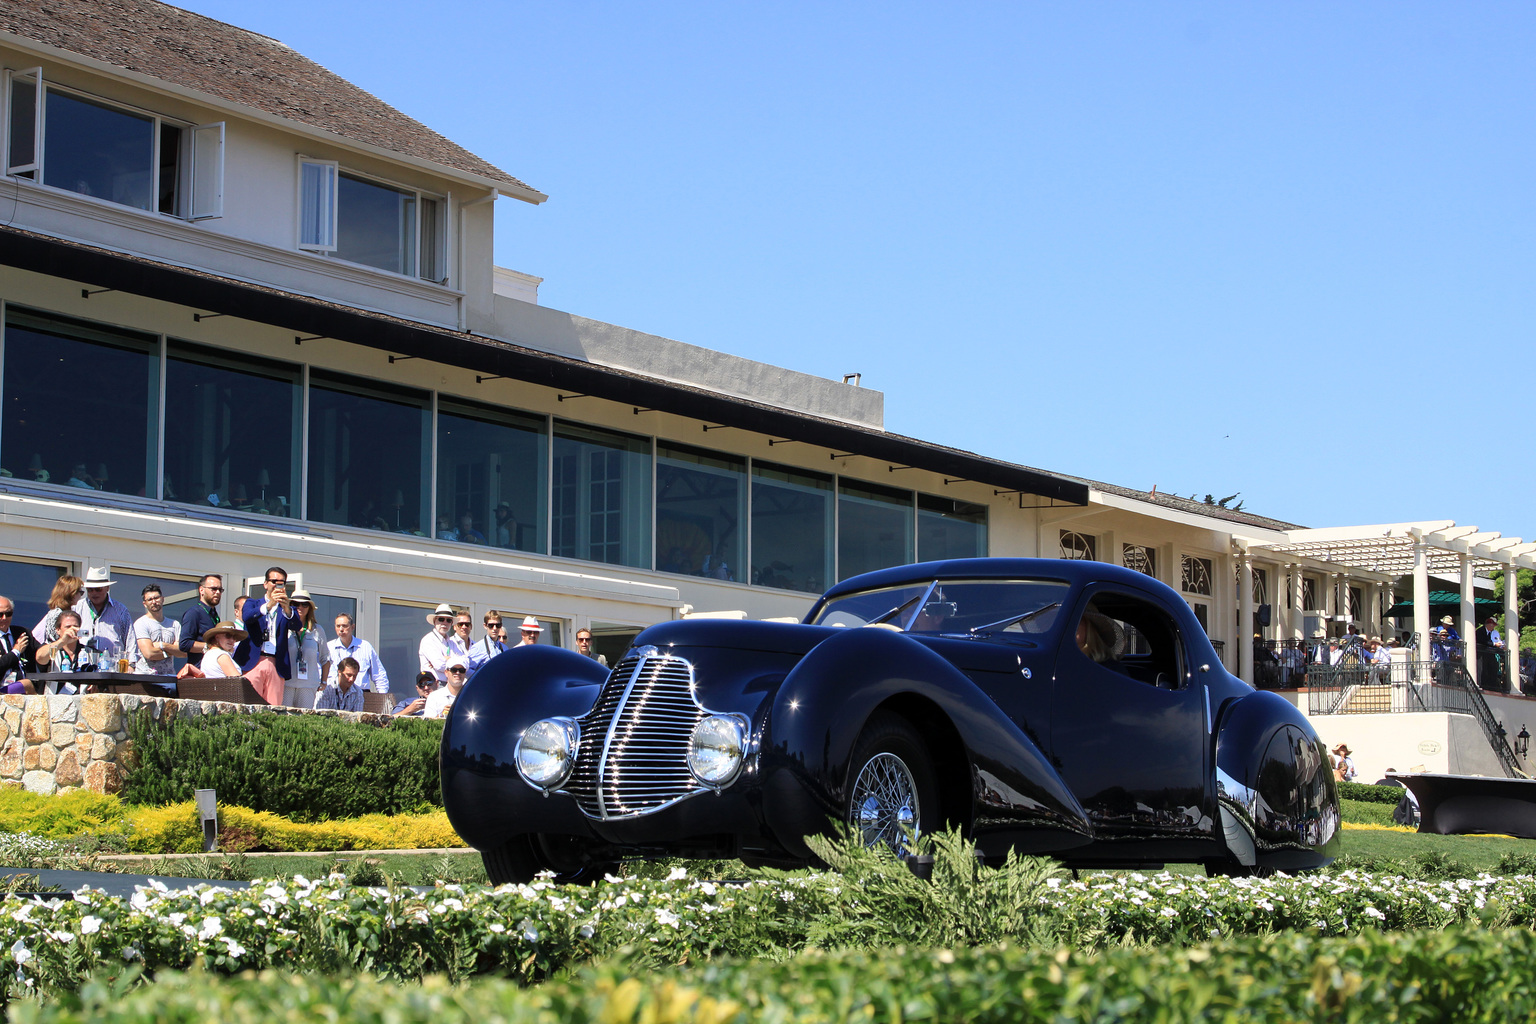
{"x": 210, "y": 663}
{"x": 164, "y": 631}
{"x": 438, "y": 703}
{"x": 114, "y": 625}
{"x": 435, "y": 650}
{"x": 370, "y": 670}
{"x": 304, "y": 658}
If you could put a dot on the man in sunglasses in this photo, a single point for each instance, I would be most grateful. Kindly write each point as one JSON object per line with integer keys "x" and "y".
{"x": 18, "y": 651}
{"x": 490, "y": 645}
{"x": 442, "y": 699}
{"x": 440, "y": 644}
{"x": 200, "y": 618}
{"x": 268, "y": 624}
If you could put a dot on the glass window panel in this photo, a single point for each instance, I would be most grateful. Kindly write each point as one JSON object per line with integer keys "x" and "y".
{"x": 97, "y": 150}
{"x": 170, "y": 169}
{"x": 613, "y": 639}
{"x": 369, "y": 445}
{"x": 700, "y": 507}
{"x": 874, "y": 528}
{"x": 180, "y": 591}
{"x": 23, "y": 140}
{"x": 328, "y": 606}
{"x": 215, "y": 453}
{"x": 401, "y": 627}
{"x": 1079, "y": 545}
{"x": 376, "y": 225}
{"x": 28, "y": 585}
{"x": 791, "y": 528}
{"x": 602, "y": 496}
{"x": 80, "y": 404}
{"x": 433, "y": 266}
{"x": 950, "y": 529}
{"x": 1196, "y": 576}
{"x": 317, "y": 205}
{"x": 491, "y": 476}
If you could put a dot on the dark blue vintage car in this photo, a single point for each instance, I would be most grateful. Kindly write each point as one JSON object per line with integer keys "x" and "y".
{"x": 1058, "y": 707}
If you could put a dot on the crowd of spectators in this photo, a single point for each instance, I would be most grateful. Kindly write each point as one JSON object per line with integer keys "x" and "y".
{"x": 275, "y": 642}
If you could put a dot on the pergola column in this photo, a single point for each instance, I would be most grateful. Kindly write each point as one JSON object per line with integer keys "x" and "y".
{"x": 1331, "y": 602}
{"x": 1245, "y": 618}
{"x": 1421, "y": 605}
{"x": 1512, "y": 629}
{"x": 1468, "y": 619}
{"x": 1298, "y": 613}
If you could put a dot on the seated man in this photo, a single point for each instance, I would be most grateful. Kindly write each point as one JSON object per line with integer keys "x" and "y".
{"x": 344, "y": 694}
{"x": 426, "y": 683}
{"x": 18, "y": 651}
{"x": 66, "y": 654}
{"x": 441, "y": 700}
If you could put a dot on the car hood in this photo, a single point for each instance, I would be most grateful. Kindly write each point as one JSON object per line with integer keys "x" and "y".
{"x": 735, "y": 634}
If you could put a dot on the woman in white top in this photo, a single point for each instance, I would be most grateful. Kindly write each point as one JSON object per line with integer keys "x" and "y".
{"x": 218, "y": 661}
{"x": 306, "y": 653}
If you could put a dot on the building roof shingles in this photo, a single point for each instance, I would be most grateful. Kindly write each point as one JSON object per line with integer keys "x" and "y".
{"x": 238, "y": 66}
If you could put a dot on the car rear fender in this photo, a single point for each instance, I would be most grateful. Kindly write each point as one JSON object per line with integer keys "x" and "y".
{"x": 1273, "y": 782}
{"x": 820, "y": 709}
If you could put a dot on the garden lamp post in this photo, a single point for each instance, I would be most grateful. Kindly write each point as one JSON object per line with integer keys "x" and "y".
{"x": 1522, "y": 742}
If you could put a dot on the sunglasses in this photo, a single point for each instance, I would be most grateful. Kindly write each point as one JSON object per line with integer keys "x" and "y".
{"x": 457, "y": 671}
{"x": 445, "y": 618}
{"x": 278, "y": 583}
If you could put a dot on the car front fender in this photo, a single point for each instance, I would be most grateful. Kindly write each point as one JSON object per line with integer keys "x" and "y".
{"x": 1016, "y": 798}
{"x": 487, "y": 801}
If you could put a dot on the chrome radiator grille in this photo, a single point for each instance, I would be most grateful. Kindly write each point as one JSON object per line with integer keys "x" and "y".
{"x": 633, "y": 756}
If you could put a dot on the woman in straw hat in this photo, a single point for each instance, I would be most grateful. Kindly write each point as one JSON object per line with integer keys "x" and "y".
{"x": 1344, "y": 765}
{"x": 218, "y": 660}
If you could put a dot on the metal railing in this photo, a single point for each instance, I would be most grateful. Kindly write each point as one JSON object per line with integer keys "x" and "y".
{"x": 1411, "y": 686}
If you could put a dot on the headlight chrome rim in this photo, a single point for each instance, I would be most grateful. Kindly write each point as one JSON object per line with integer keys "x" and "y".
{"x": 717, "y": 750}
{"x": 546, "y": 752}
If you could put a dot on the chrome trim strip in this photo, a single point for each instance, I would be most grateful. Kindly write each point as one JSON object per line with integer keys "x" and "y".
{"x": 613, "y": 724}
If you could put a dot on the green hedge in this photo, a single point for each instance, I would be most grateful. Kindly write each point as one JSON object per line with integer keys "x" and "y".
{"x": 1465, "y": 975}
{"x": 306, "y": 767}
{"x": 1371, "y": 794}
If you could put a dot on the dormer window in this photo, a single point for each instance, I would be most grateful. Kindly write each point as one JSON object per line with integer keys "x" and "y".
{"x": 82, "y": 144}
{"x": 371, "y": 222}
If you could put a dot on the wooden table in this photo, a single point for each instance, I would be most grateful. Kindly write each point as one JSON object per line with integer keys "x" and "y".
{"x": 111, "y": 682}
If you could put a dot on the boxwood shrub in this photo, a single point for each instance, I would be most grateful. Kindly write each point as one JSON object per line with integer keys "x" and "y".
{"x": 1369, "y": 793}
{"x": 305, "y": 767}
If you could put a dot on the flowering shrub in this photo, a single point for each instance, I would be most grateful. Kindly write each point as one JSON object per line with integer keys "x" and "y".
{"x": 527, "y": 932}
{"x": 175, "y": 829}
{"x": 1466, "y": 975}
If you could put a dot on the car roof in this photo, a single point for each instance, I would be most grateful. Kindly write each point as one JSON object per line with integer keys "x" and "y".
{"x": 1073, "y": 571}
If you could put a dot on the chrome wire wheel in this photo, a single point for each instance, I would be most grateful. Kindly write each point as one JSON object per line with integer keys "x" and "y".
{"x": 884, "y": 806}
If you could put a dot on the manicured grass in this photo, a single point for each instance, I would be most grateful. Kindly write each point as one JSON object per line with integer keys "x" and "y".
{"x": 1480, "y": 853}
{"x": 401, "y": 868}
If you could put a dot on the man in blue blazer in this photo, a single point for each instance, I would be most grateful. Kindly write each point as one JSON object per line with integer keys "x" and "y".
{"x": 269, "y": 622}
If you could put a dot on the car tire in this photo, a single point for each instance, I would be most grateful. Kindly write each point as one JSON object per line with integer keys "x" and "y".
{"x": 892, "y": 789}
{"x": 512, "y": 862}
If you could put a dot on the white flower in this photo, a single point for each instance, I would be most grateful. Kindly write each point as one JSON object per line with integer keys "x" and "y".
{"x": 211, "y": 927}
{"x": 496, "y": 927}
{"x": 677, "y": 874}
{"x": 1168, "y": 912}
{"x": 235, "y": 949}
{"x": 1373, "y": 912}
{"x": 667, "y": 918}
{"x": 20, "y": 953}
{"x": 90, "y": 925}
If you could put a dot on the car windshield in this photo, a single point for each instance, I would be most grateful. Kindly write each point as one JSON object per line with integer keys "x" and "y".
{"x": 953, "y": 606}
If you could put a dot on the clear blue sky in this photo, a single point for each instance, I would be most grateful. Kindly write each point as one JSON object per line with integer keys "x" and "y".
{"x": 1278, "y": 249}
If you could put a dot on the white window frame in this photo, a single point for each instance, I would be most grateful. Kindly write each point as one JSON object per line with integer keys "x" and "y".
{"x": 194, "y": 171}
{"x": 439, "y": 238}
{"x": 205, "y": 160}
{"x": 327, "y": 184}
{"x": 36, "y": 74}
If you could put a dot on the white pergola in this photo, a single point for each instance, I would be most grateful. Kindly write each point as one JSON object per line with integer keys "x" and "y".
{"x": 1399, "y": 549}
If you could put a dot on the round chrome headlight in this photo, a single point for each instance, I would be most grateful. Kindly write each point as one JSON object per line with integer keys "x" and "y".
{"x": 717, "y": 749}
{"x": 546, "y": 752}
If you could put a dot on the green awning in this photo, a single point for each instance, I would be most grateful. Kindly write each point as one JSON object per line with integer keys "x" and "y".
{"x": 1448, "y": 602}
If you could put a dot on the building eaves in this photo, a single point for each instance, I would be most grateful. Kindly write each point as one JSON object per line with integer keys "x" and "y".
{"x": 262, "y": 304}
{"x": 196, "y": 53}
{"x": 1199, "y": 508}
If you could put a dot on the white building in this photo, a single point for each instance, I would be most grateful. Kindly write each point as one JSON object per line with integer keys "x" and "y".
{"x": 251, "y": 317}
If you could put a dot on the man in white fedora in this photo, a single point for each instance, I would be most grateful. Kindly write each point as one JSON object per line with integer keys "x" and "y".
{"x": 529, "y": 630}
{"x": 106, "y": 626}
{"x": 439, "y": 645}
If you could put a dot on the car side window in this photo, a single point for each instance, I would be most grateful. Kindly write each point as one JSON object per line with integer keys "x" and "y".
{"x": 1132, "y": 636}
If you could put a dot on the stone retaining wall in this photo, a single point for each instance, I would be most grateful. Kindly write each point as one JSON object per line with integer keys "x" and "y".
{"x": 51, "y": 744}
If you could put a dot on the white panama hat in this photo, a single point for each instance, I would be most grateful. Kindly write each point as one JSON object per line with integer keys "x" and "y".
{"x": 98, "y": 577}
{"x": 531, "y": 624}
{"x": 442, "y": 609}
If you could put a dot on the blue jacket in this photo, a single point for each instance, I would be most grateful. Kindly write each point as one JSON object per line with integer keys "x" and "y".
{"x": 256, "y": 625}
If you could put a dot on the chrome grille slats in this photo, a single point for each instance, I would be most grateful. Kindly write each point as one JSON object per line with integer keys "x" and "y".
{"x": 633, "y": 755}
